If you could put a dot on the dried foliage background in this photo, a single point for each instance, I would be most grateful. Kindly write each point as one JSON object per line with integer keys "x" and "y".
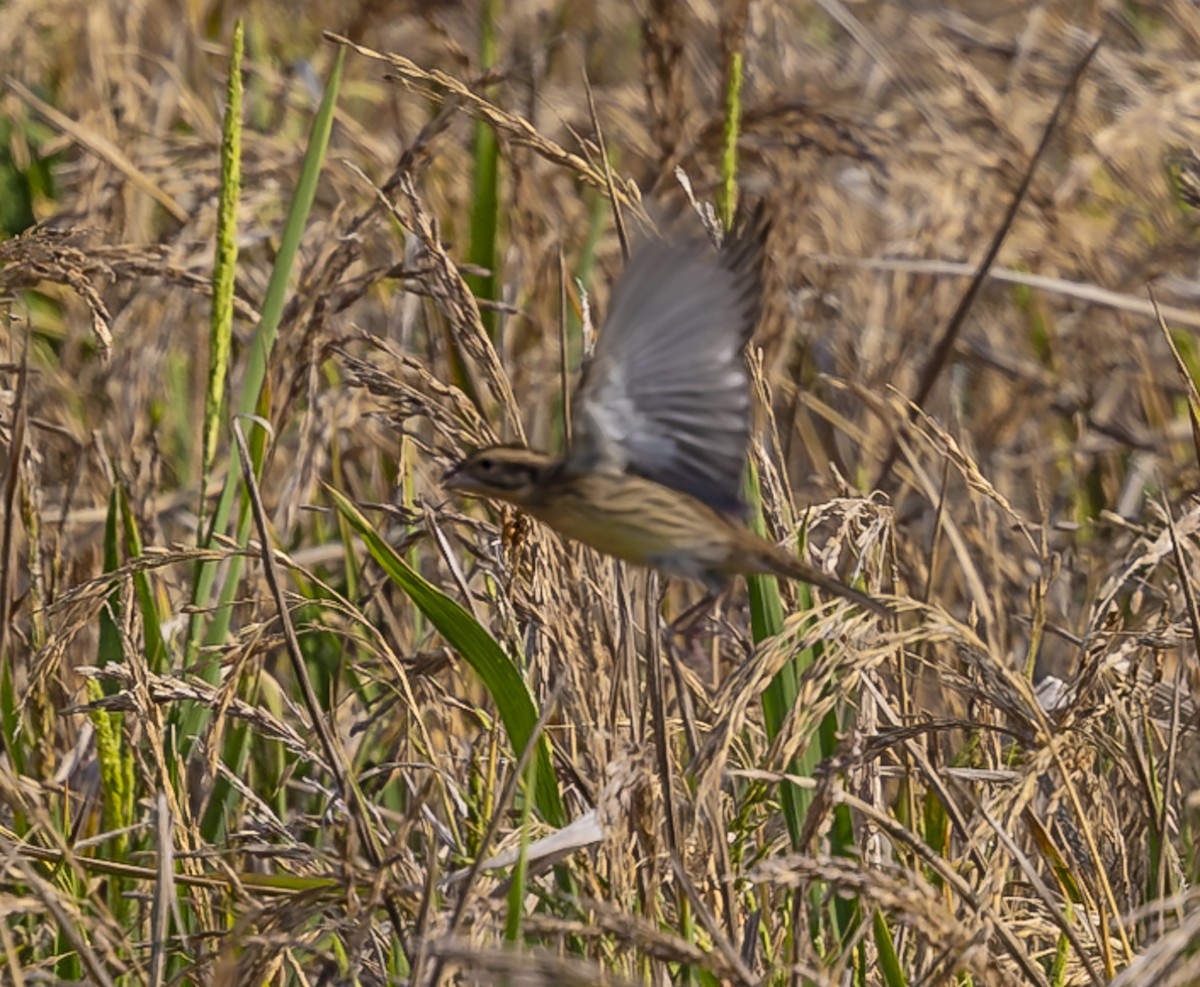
{"x": 1017, "y": 750}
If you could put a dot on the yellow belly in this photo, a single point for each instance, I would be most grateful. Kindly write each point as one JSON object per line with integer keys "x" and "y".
{"x": 639, "y": 521}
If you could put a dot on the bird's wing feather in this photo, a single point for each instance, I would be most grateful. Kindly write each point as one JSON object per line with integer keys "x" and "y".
{"x": 666, "y": 395}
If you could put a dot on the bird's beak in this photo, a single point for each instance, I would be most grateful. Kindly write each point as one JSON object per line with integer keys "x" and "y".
{"x": 456, "y": 479}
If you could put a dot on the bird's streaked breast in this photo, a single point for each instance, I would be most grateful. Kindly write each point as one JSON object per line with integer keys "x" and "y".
{"x": 638, "y": 521}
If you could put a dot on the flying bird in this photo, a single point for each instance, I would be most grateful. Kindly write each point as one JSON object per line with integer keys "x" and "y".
{"x": 661, "y": 423}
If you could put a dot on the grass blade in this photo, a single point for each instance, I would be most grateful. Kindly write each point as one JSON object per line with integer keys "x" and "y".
{"x": 497, "y": 671}
{"x": 485, "y": 198}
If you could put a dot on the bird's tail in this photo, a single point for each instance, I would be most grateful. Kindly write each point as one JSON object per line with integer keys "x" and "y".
{"x": 783, "y": 563}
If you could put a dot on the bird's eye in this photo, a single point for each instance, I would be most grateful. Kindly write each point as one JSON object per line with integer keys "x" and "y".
{"x": 486, "y": 464}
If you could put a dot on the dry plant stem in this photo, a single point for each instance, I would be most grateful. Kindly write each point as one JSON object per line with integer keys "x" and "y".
{"x": 658, "y": 713}
{"x": 716, "y": 822}
{"x": 12, "y": 476}
{"x": 1181, "y": 565}
{"x": 1173, "y": 741}
{"x": 166, "y": 902}
{"x": 1185, "y": 374}
{"x": 627, "y": 650}
{"x": 1193, "y": 395}
{"x": 609, "y": 180}
{"x": 461, "y": 308}
{"x": 724, "y": 946}
{"x": 900, "y": 834}
{"x": 1044, "y": 892}
{"x": 1146, "y": 776}
{"x": 563, "y": 355}
{"x": 945, "y": 344}
{"x": 1189, "y": 592}
{"x": 935, "y": 539}
{"x": 99, "y": 145}
{"x": 334, "y": 755}
{"x": 1051, "y": 739}
{"x": 421, "y": 932}
{"x": 135, "y": 872}
{"x": 498, "y": 815}
{"x": 682, "y": 696}
{"x": 1192, "y": 675}
{"x": 1088, "y": 294}
{"x": 931, "y": 776}
{"x": 67, "y": 924}
{"x": 511, "y": 125}
{"x": 662, "y": 61}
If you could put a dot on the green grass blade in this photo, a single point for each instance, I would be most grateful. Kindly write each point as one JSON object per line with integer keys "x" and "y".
{"x": 9, "y": 715}
{"x": 485, "y": 198}
{"x": 154, "y": 644}
{"x": 110, "y": 649}
{"x": 766, "y": 621}
{"x": 520, "y": 873}
{"x": 887, "y": 960}
{"x": 496, "y": 670}
{"x": 766, "y": 615}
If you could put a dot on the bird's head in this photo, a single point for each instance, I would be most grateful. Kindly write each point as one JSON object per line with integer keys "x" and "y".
{"x": 510, "y": 473}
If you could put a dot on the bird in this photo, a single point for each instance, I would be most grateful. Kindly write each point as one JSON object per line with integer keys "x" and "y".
{"x": 652, "y": 473}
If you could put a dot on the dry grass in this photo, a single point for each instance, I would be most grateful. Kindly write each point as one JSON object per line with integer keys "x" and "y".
{"x": 1006, "y": 791}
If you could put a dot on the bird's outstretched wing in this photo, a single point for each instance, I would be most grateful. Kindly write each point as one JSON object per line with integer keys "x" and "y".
{"x": 666, "y": 395}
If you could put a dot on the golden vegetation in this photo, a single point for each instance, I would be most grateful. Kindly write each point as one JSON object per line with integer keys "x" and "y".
{"x": 995, "y": 787}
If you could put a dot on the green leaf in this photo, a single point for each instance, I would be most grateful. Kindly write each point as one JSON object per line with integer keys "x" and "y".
{"x": 155, "y": 646}
{"x": 496, "y": 670}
